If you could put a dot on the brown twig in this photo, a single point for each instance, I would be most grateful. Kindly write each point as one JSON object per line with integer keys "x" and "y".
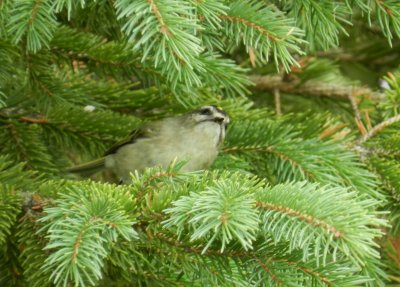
{"x": 252, "y": 56}
{"x": 376, "y": 129}
{"x": 313, "y": 88}
{"x": 268, "y": 270}
{"x": 354, "y": 106}
{"x": 277, "y": 97}
{"x": 163, "y": 27}
{"x": 331, "y": 130}
{"x": 368, "y": 119}
{"x": 253, "y": 25}
{"x": 34, "y": 12}
{"x": 302, "y": 216}
{"x": 33, "y": 120}
{"x": 312, "y": 272}
{"x": 357, "y": 114}
{"x": 360, "y": 126}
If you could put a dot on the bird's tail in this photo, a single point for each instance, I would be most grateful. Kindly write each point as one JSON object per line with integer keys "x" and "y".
{"x": 89, "y": 168}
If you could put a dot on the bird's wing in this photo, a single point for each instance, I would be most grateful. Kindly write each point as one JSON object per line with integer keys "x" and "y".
{"x": 142, "y": 132}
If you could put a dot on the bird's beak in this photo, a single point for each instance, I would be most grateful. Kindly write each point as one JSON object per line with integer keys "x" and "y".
{"x": 219, "y": 120}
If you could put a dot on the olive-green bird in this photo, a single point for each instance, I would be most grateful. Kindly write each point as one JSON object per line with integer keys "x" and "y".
{"x": 194, "y": 137}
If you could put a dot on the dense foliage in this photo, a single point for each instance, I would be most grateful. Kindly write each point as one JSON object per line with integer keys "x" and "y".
{"x": 305, "y": 192}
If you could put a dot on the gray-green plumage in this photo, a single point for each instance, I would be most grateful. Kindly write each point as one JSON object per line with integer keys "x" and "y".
{"x": 89, "y": 168}
{"x": 194, "y": 137}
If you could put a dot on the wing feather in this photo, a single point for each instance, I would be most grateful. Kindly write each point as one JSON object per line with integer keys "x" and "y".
{"x": 146, "y": 131}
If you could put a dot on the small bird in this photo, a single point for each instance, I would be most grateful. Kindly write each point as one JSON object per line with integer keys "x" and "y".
{"x": 194, "y": 137}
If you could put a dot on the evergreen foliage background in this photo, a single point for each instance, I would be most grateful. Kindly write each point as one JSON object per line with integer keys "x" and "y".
{"x": 306, "y": 191}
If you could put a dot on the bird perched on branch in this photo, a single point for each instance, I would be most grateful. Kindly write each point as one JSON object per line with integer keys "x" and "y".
{"x": 194, "y": 137}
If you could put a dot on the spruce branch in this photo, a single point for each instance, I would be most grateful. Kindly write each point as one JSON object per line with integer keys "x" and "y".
{"x": 217, "y": 75}
{"x": 170, "y": 24}
{"x": 53, "y": 91}
{"x": 71, "y": 5}
{"x": 264, "y": 29}
{"x": 356, "y": 110}
{"x": 286, "y": 267}
{"x": 8, "y": 56}
{"x": 303, "y": 217}
{"x": 388, "y": 16}
{"x": 121, "y": 95}
{"x": 391, "y": 104}
{"x": 312, "y": 88}
{"x": 386, "y": 13}
{"x": 33, "y": 255}
{"x": 210, "y": 11}
{"x": 91, "y": 45}
{"x": 33, "y": 19}
{"x": 24, "y": 144}
{"x": 87, "y": 218}
{"x": 99, "y": 55}
{"x": 10, "y": 204}
{"x": 223, "y": 211}
{"x": 270, "y": 262}
{"x": 277, "y": 99}
{"x": 289, "y": 203}
{"x": 374, "y": 269}
{"x": 292, "y": 157}
{"x": 322, "y": 21}
{"x": 388, "y": 170}
{"x": 4, "y": 17}
{"x": 78, "y": 121}
{"x": 3, "y": 97}
{"x": 15, "y": 175}
{"x": 224, "y": 75}
{"x": 379, "y": 127}
{"x": 283, "y": 209}
{"x": 11, "y": 270}
{"x": 72, "y": 204}
{"x": 391, "y": 257}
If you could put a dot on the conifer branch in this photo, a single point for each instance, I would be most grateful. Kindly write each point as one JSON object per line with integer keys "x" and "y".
{"x": 287, "y": 202}
{"x": 251, "y": 25}
{"x": 312, "y": 88}
{"x": 277, "y": 99}
{"x": 388, "y": 15}
{"x": 305, "y": 217}
{"x": 154, "y": 9}
{"x": 291, "y": 202}
{"x": 178, "y": 50}
{"x": 266, "y": 30}
{"x": 35, "y": 20}
{"x": 331, "y": 16}
{"x": 355, "y": 108}
{"x": 36, "y": 156}
{"x": 291, "y": 154}
{"x": 273, "y": 150}
{"x": 16, "y": 175}
{"x": 32, "y": 242}
{"x": 210, "y": 11}
{"x": 376, "y": 129}
{"x": 276, "y": 262}
{"x": 9, "y": 208}
{"x": 34, "y": 11}
{"x": 78, "y": 252}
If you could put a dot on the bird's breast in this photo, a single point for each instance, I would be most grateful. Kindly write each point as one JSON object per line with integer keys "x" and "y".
{"x": 199, "y": 146}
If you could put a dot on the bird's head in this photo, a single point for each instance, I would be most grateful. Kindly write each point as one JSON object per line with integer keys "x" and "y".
{"x": 210, "y": 113}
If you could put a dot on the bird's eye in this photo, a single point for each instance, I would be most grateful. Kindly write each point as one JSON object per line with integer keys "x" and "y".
{"x": 205, "y": 112}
